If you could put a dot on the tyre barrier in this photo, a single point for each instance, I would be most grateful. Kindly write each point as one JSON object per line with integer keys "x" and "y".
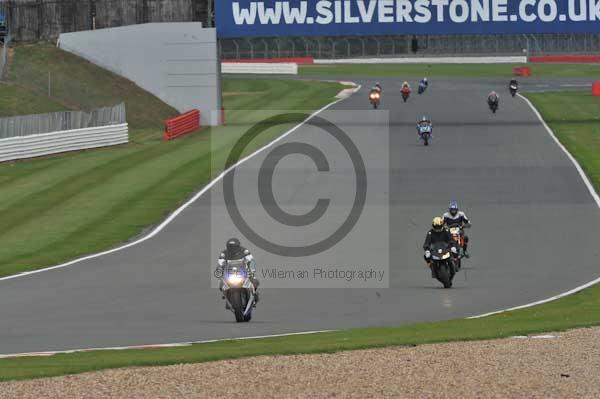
{"x": 181, "y": 125}
{"x": 596, "y": 89}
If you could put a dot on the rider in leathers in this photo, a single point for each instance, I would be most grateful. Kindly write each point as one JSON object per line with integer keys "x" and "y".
{"x": 234, "y": 251}
{"x": 438, "y": 233}
{"x": 456, "y": 217}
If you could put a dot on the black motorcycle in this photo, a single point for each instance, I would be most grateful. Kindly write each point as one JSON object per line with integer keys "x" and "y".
{"x": 513, "y": 88}
{"x": 442, "y": 263}
{"x": 493, "y": 105}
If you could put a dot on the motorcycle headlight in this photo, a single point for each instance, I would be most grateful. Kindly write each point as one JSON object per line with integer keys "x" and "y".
{"x": 446, "y": 256}
{"x": 235, "y": 279}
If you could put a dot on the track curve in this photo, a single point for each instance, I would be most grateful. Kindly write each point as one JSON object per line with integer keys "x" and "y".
{"x": 535, "y": 235}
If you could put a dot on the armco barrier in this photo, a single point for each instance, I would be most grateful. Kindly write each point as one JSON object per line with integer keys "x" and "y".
{"x": 182, "y": 124}
{"x": 288, "y": 60}
{"x": 596, "y": 89}
{"x": 37, "y": 145}
{"x": 566, "y": 59}
{"x": 258, "y": 68}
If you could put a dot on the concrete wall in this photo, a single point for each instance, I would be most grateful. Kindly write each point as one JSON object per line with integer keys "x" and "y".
{"x": 177, "y": 62}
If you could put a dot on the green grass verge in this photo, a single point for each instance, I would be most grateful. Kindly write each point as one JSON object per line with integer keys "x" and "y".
{"x": 574, "y": 118}
{"x": 449, "y": 70}
{"x": 58, "y": 208}
{"x": 62, "y": 207}
{"x": 15, "y": 100}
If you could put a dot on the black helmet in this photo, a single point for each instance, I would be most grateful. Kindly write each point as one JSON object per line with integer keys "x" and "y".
{"x": 233, "y": 245}
{"x": 453, "y": 208}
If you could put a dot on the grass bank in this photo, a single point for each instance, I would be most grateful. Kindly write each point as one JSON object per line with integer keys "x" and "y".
{"x": 575, "y": 121}
{"x": 58, "y": 208}
{"x": 449, "y": 70}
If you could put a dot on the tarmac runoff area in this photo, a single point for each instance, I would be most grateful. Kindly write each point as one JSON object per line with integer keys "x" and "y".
{"x": 523, "y": 194}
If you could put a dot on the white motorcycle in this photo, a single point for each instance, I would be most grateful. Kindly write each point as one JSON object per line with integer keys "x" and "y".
{"x": 425, "y": 133}
{"x": 238, "y": 289}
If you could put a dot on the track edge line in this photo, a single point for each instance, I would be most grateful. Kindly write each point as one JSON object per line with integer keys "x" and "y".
{"x": 592, "y": 192}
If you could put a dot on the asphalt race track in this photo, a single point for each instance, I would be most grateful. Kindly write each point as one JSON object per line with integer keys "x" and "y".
{"x": 535, "y": 234}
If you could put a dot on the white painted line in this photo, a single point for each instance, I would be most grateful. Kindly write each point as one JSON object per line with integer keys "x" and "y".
{"x": 594, "y": 195}
{"x": 176, "y": 213}
{"x": 158, "y": 346}
{"x": 576, "y": 85}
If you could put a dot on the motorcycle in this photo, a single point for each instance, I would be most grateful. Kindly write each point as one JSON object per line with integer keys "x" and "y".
{"x": 442, "y": 263}
{"x": 238, "y": 289}
{"x": 494, "y": 105}
{"x": 425, "y": 133}
{"x": 405, "y": 93}
{"x": 422, "y": 88}
{"x": 375, "y": 98}
{"x": 459, "y": 237}
{"x": 513, "y": 90}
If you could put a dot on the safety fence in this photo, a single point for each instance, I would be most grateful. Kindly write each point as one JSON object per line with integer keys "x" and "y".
{"x": 402, "y": 45}
{"x": 18, "y": 126}
{"x": 37, "y": 145}
{"x": 4, "y": 46}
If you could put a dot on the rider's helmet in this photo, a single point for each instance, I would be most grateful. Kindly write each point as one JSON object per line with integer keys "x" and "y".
{"x": 377, "y": 84}
{"x": 233, "y": 245}
{"x": 437, "y": 224}
{"x": 425, "y": 80}
{"x": 453, "y": 208}
{"x": 405, "y": 84}
{"x": 424, "y": 119}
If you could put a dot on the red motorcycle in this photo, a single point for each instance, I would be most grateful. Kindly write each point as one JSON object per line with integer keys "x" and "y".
{"x": 405, "y": 93}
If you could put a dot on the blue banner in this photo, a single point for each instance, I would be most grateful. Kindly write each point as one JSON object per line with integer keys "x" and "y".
{"x": 244, "y": 18}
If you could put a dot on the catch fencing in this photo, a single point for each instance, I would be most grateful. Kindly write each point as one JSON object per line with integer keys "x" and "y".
{"x": 18, "y": 126}
{"x": 4, "y": 56}
{"x": 401, "y": 45}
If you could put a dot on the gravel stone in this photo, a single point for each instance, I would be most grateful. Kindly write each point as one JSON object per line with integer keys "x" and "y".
{"x": 564, "y": 366}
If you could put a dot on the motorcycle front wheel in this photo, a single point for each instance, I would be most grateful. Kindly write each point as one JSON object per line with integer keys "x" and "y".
{"x": 443, "y": 275}
{"x": 238, "y": 303}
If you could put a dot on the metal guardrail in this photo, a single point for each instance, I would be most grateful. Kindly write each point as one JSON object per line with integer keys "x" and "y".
{"x": 18, "y": 126}
{"x": 63, "y": 141}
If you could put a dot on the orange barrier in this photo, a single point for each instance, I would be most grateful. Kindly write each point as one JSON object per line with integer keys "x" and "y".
{"x": 182, "y": 124}
{"x": 522, "y": 71}
{"x": 596, "y": 89}
{"x": 577, "y": 59}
